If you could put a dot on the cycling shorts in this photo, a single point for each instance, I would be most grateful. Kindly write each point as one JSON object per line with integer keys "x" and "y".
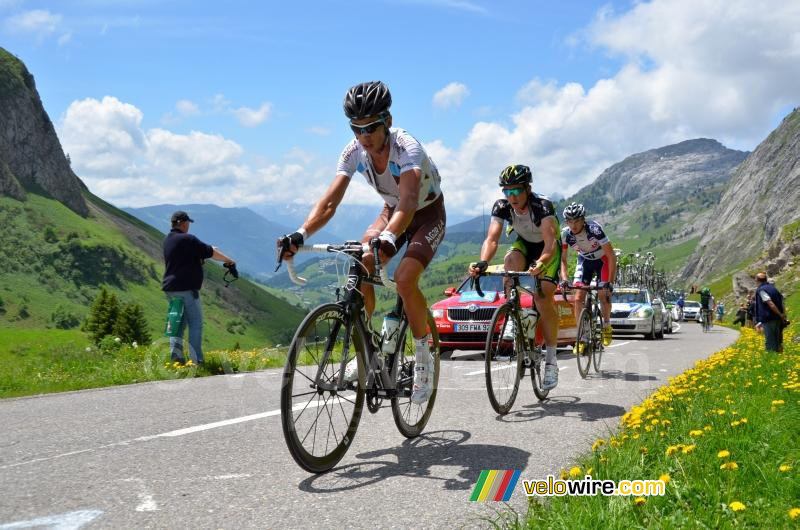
{"x": 423, "y": 235}
{"x": 532, "y": 251}
{"x": 588, "y": 269}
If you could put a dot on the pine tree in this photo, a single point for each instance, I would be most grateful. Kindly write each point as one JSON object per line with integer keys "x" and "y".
{"x": 131, "y": 325}
{"x": 102, "y": 316}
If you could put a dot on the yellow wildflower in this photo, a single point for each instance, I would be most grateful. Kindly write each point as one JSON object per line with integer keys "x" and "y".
{"x": 736, "y": 506}
{"x": 688, "y": 449}
{"x": 695, "y": 433}
{"x": 794, "y": 513}
{"x": 643, "y": 450}
{"x": 671, "y": 450}
{"x": 731, "y": 466}
{"x": 735, "y": 423}
{"x": 784, "y": 468}
{"x": 589, "y": 471}
{"x": 665, "y": 478}
{"x": 598, "y": 444}
{"x": 638, "y": 501}
{"x": 707, "y": 428}
{"x": 564, "y": 474}
{"x": 575, "y": 472}
{"x": 723, "y": 454}
{"x": 777, "y": 402}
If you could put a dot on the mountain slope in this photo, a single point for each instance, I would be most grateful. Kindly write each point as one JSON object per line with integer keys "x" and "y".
{"x": 241, "y": 233}
{"x": 761, "y": 198}
{"x": 60, "y": 244}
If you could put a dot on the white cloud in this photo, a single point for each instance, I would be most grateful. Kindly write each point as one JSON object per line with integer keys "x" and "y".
{"x": 65, "y": 38}
{"x": 40, "y": 22}
{"x": 451, "y": 96}
{"x": 184, "y": 107}
{"x": 252, "y": 117}
{"x": 718, "y": 69}
{"x": 318, "y": 130}
{"x": 131, "y": 166}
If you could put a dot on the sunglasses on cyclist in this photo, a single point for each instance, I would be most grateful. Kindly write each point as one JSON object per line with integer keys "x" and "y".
{"x": 367, "y": 128}
{"x": 513, "y": 192}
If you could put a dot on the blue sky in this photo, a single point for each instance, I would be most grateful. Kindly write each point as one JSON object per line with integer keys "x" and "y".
{"x": 240, "y": 104}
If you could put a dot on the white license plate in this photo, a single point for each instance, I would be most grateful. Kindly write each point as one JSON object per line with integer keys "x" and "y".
{"x": 617, "y": 321}
{"x": 472, "y": 326}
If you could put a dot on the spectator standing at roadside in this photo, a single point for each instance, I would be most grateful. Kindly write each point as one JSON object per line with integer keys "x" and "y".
{"x": 751, "y": 310}
{"x": 741, "y": 314}
{"x": 184, "y": 255}
{"x": 770, "y": 313}
{"x": 720, "y": 311}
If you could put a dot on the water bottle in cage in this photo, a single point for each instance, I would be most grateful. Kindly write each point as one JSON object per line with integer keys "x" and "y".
{"x": 530, "y": 316}
{"x": 390, "y": 332}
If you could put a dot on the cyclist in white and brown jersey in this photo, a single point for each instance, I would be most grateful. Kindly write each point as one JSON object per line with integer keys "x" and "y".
{"x": 396, "y": 165}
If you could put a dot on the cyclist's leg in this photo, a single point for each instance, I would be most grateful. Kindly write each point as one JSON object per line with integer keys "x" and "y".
{"x": 424, "y": 235}
{"x": 548, "y": 321}
{"x": 580, "y": 295}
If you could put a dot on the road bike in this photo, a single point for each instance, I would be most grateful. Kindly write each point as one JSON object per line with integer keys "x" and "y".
{"x": 510, "y": 346}
{"x": 589, "y": 338}
{"x": 320, "y": 405}
{"x": 705, "y": 319}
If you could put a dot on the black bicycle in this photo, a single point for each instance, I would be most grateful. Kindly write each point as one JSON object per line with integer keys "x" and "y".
{"x": 321, "y": 401}
{"x": 589, "y": 338}
{"x": 511, "y": 345}
{"x": 706, "y": 319}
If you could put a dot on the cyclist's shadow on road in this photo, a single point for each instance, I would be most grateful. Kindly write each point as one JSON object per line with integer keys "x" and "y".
{"x": 416, "y": 458}
{"x": 568, "y": 406}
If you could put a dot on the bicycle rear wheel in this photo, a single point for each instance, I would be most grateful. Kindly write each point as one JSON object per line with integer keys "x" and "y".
{"x": 504, "y": 353}
{"x": 584, "y": 343}
{"x": 319, "y": 415}
{"x": 537, "y": 372}
{"x": 409, "y": 417}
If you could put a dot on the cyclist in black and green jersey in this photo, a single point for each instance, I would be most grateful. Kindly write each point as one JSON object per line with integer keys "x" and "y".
{"x": 707, "y": 304}
{"x": 537, "y": 248}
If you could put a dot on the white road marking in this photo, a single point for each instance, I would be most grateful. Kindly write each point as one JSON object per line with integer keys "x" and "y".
{"x": 170, "y": 434}
{"x": 563, "y": 368}
{"x": 64, "y": 521}
{"x": 146, "y": 501}
{"x": 476, "y": 372}
{"x": 618, "y": 344}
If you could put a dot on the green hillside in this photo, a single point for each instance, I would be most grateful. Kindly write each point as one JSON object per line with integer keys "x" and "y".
{"x": 55, "y": 261}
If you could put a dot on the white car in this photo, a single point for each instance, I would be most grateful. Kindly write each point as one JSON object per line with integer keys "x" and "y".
{"x": 691, "y": 310}
{"x": 634, "y": 311}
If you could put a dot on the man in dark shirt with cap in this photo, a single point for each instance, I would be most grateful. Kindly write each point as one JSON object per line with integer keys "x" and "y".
{"x": 183, "y": 276}
{"x": 770, "y": 313}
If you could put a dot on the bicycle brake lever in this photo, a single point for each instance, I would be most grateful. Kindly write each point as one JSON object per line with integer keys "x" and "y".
{"x": 286, "y": 245}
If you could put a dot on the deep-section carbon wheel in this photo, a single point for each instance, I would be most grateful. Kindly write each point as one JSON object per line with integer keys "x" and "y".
{"x": 584, "y": 343}
{"x": 319, "y": 409}
{"x": 504, "y": 352}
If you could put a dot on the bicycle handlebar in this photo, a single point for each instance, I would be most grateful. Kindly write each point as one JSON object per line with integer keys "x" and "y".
{"x": 346, "y": 248}
{"x": 507, "y": 274}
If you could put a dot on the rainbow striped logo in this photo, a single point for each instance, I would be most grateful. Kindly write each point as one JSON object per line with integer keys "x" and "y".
{"x": 495, "y": 485}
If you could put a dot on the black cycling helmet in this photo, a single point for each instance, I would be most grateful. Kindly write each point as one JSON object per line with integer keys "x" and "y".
{"x": 574, "y": 211}
{"x": 518, "y": 174}
{"x": 367, "y": 99}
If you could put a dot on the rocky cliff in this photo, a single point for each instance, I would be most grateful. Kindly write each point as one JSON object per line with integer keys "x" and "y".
{"x": 760, "y": 199}
{"x": 31, "y": 157}
{"x": 661, "y": 175}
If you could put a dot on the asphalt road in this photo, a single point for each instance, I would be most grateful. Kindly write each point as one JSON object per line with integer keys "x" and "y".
{"x": 209, "y": 452}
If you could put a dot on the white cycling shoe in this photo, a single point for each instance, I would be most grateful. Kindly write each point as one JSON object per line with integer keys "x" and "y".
{"x": 423, "y": 382}
{"x": 351, "y": 371}
{"x": 510, "y": 331}
{"x": 550, "y": 377}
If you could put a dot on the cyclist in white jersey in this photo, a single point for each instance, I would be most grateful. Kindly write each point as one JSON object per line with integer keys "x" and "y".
{"x": 396, "y": 165}
{"x": 596, "y": 258}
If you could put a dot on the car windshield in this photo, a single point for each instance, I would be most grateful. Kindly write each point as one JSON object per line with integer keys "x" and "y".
{"x": 691, "y": 304}
{"x": 629, "y": 298}
{"x": 492, "y": 283}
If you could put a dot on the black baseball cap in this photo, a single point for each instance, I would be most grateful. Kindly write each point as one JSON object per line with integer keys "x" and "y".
{"x": 181, "y": 216}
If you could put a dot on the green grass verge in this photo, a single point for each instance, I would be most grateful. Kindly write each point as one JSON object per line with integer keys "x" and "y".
{"x": 722, "y": 435}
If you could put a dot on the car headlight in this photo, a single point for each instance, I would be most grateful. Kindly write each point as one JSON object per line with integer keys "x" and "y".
{"x": 437, "y": 313}
{"x": 645, "y": 312}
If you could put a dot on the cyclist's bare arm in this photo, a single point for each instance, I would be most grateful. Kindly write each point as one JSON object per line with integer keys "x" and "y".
{"x": 407, "y": 205}
{"x": 489, "y": 247}
{"x": 564, "y": 266}
{"x": 611, "y": 257}
{"x": 325, "y": 208}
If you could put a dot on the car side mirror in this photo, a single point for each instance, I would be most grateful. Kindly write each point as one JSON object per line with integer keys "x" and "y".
{"x": 450, "y": 291}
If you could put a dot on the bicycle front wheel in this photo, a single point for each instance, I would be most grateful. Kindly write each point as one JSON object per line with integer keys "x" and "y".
{"x": 409, "y": 417}
{"x": 584, "y": 343}
{"x": 504, "y": 353}
{"x": 537, "y": 372}
{"x": 320, "y": 411}
{"x": 597, "y": 351}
